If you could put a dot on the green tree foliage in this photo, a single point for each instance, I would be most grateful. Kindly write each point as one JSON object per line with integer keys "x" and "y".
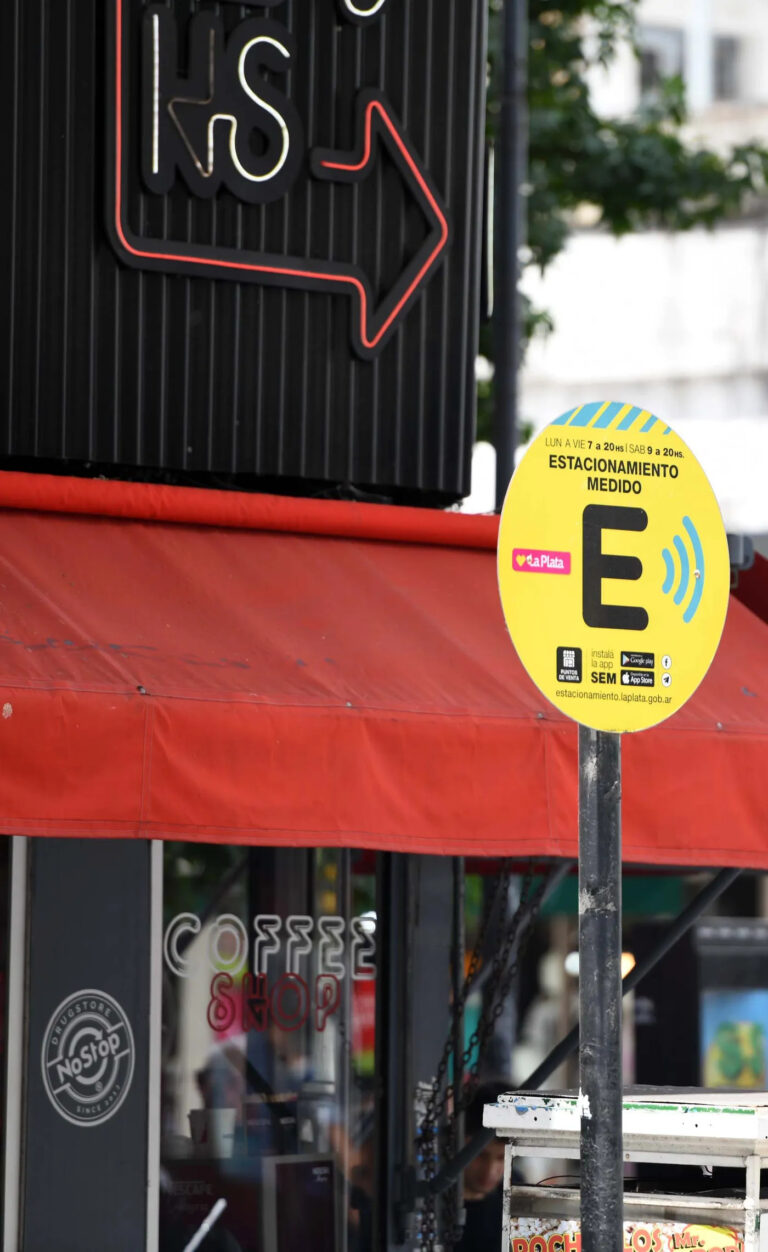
{"x": 637, "y": 172}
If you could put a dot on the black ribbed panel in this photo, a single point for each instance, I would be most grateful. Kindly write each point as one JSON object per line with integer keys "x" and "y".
{"x": 120, "y": 367}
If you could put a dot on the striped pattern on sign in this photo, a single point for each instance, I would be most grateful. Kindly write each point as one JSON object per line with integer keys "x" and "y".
{"x": 605, "y": 415}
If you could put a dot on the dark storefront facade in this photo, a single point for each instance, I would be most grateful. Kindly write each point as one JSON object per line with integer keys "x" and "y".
{"x": 241, "y": 246}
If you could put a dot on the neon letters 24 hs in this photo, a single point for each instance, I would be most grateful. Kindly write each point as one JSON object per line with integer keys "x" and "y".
{"x": 200, "y": 127}
{"x": 205, "y": 127}
{"x": 354, "y": 10}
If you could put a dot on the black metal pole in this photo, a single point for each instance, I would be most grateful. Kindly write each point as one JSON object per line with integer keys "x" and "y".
{"x": 510, "y": 165}
{"x": 600, "y": 1084}
{"x": 680, "y": 926}
{"x": 457, "y": 973}
{"x": 394, "y": 1034}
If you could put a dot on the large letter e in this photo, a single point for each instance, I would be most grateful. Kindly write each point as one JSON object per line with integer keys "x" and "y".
{"x": 598, "y": 565}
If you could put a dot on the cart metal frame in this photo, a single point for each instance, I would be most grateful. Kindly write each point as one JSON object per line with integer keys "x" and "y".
{"x": 690, "y": 1127}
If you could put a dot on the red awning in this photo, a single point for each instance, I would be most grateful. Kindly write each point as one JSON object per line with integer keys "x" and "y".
{"x": 322, "y": 673}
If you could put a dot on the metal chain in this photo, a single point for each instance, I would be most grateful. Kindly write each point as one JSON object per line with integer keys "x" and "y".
{"x": 427, "y": 1148}
{"x": 502, "y": 977}
{"x": 436, "y": 1104}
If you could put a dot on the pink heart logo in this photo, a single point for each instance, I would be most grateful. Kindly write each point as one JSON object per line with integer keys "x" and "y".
{"x": 522, "y": 557}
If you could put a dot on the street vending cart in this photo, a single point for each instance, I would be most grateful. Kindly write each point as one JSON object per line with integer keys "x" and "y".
{"x": 662, "y": 1127}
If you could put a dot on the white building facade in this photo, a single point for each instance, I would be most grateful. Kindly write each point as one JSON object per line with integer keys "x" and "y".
{"x": 676, "y": 323}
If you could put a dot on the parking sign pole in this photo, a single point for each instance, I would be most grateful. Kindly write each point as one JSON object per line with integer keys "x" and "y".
{"x": 600, "y": 1079}
{"x": 607, "y": 499}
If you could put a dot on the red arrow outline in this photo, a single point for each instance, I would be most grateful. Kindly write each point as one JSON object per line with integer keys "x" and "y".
{"x": 373, "y": 106}
{"x": 288, "y": 271}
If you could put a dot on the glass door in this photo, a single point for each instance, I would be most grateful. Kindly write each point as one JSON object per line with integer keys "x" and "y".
{"x": 268, "y": 1053}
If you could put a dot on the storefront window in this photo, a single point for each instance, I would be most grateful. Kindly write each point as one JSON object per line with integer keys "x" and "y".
{"x": 269, "y": 988}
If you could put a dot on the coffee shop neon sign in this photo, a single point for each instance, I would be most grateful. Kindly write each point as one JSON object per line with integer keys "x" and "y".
{"x": 246, "y": 996}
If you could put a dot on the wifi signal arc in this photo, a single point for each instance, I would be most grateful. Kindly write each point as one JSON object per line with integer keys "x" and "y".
{"x": 685, "y": 570}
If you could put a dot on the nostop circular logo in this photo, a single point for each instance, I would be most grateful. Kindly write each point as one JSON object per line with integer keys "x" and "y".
{"x": 88, "y": 1058}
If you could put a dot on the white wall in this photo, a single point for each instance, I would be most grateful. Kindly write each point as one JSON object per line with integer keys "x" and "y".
{"x": 682, "y": 316}
{"x": 677, "y": 324}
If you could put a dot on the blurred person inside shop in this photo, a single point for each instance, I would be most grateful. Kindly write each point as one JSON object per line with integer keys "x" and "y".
{"x": 483, "y": 1178}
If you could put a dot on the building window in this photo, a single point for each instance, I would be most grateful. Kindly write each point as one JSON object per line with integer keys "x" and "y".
{"x": 661, "y": 56}
{"x": 269, "y": 1004}
{"x": 726, "y": 68}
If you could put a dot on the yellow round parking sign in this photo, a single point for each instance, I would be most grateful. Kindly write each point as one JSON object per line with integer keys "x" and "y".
{"x": 613, "y": 567}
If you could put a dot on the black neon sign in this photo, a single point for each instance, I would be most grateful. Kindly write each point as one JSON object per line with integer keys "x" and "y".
{"x": 354, "y": 11}
{"x": 225, "y": 125}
